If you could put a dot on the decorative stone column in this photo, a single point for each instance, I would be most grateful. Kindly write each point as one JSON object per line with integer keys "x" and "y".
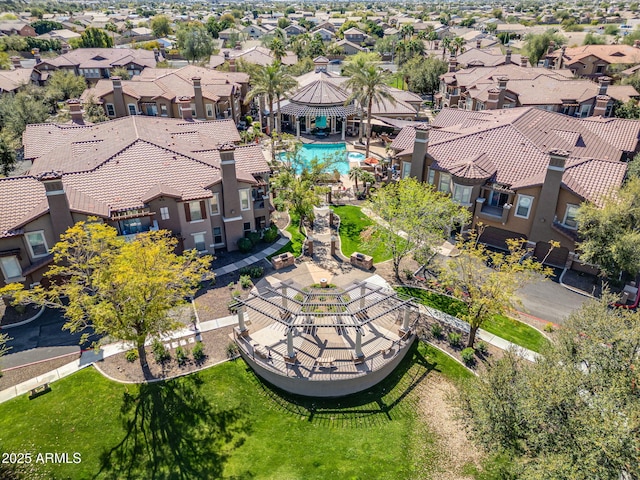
{"x": 405, "y": 320}
{"x": 242, "y": 326}
{"x": 344, "y": 129}
{"x": 333, "y": 245}
{"x": 359, "y": 353}
{"x": 297, "y": 127}
{"x": 290, "y": 351}
{"x": 310, "y": 246}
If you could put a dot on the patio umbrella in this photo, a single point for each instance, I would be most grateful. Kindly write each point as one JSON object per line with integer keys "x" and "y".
{"x": 372, "y": 161}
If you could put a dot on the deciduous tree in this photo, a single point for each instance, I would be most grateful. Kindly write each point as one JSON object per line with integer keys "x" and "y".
{"x": 95, "y": 38}
{"x": 194, "y": 42}
{"x": 414, "y": 217}
{"x": 65, "y": 84}
{"x": 572, "y": 414}
{"x": 487, "y": 281}
{"x": 536, "y": 45}
{"x": 161, "y": 26}
{"x": 123, "y": 290}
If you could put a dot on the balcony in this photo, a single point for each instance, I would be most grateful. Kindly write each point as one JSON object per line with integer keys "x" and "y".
{"x": 130, "y": 235}
{"x": 492, "y": 211}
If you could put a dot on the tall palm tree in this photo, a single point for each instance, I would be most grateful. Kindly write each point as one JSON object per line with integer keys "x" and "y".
{"x": 354, "y": 65}
{"x": 286, "y": 83}
{"x": 457, "y": 45}
{"x": 355, "y": 174}
{"x": 446, "y": 45}
{"x": 278, "y": 49}
{"x": 368, "y": 84}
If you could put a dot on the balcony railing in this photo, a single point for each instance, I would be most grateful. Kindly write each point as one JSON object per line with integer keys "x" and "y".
{"x": 145, "y": 228}
{"x": 491, "y": 210}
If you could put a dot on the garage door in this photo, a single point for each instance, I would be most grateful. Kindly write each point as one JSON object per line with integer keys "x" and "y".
{"x": 497, "y": 237}
{"x": 557, "y": 257}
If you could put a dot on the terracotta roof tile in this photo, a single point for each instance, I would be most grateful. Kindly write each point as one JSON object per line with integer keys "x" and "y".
{"x": 20, "y": 199}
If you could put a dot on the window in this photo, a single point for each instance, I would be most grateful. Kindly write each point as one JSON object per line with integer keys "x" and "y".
{"x": 245, "y": 199}
{"x": 431, "y": 176}
{"x": 462, "y": 194}
{"x": 131, "y": 225}
{"x": 214, "y": 205}
{"x": 570, "y": 216}
{"x": 195, "y": 211}
{"x": 198, "y": 240}
{"x": 209, "y": 108}
{"x": 217, "y": 236}
{"x": 163, "y": 110}
{"x": 497, "y": 199}
{"x": 111, "y": 110}
{"x": 132, "y": 109}
{"x": 406, "y": 169}
{"x": 523, "y": 207}
{"x": 246, "y": 227}
{"x": 164, "y": 213}
{"x": 10, "y": 268}
{"x": 37, "y": 244}
{"x": 445, "y": 183}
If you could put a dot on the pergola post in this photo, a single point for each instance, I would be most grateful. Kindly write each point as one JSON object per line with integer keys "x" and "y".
{"x": 308, "y": 124}
{"x": 284, "y": 297}
{"x": 363, "y": 292}
{"x": 297, "y": 127}
{"x": 333, "y": 125}
{"x": 405, "y": 320}
{"x": 344, "y": 129}
{"x": 290, "y": 352}
{"x": 241, "y": 324}
{"x": 359, "y": 343}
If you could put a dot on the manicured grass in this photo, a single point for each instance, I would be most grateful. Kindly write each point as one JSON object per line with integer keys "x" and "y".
{"x": 508, "y": 328}
{"x": 297, "y": 238}
{"x": 225, "y": 423}
{"x": 352, "y": 223}
{"x": 397, "y": 82}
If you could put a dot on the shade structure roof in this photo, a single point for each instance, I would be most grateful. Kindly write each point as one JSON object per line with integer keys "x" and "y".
{"x": 300, "y": 110}
{"x": 352, "y": 307}
{"x": 321, "y": 92}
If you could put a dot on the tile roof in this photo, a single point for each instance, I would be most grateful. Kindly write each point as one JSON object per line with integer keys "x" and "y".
{"x": 11, "y": 80}
{"x": 320, "y": 92}
{"x": 20, "y": 200}
{"x": 102, "y": 58}
{"x": 624, "y": 54}
{"x": 513, "y": 145}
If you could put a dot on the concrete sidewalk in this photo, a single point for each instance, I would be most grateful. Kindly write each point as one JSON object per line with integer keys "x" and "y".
{"x": 256, "y": 257}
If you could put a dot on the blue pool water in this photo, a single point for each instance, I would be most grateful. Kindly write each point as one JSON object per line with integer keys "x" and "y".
{"x": 329, "y": 150}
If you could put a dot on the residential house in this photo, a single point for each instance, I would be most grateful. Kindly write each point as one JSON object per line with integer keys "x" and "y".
{"x": 510, "y": 85}
{"x": 355, "y": 35}
{"x": 64, "y": 35}
{"x": 13, "y": 80}
{"x": 257, "y": 55}
{"x": 96, "y": 63}
{"x": 138, "y": 33}
{"x": 593, "y": 60}
{"x": 17, "y": 27}
{"x": 159, "y": 92}
{"x": 135, "y": 174}
{"x": 349, "y": 48}
{"x": 522, "y": 172}
{"x": 294, "y": 29}
{"x": 254, "y": 32}
{"x": 325, "y": 34}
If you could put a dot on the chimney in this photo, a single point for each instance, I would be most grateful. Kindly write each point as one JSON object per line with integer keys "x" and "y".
{"x": 478, "y": 43}
{"x": 231, "y": 208}
{"x": 551, "y": 48}
{"x": 64, "y": 48}
{"x": 15, "y": 61}
{"x": 36, "y": 55}
{"x": 561, "y": 60}
{"x": 636, "y": 43}
{"x": 493, "y": 103}
{"x": 199, "y": 100}
{"x": 453, "y": 63}
{"x": 75, "y": 108}
{"x": 600, "y": 108}
{"x": 524, "y": 62}
{"x": 547, "y": 201}
{"x": 604, "y": 85}
{"x": 59, "y": 212}
{"x": 502, "y": 82}
{"x": 507, "y": 57}
{"x": 226, "y": 54}
{"x": 185, "y": 107}
{"x": 232, "y": 64}
{"x": 436, "y": 44}
{"x": 163, "y": 52}
{"x": 419, "y": 156}
{"x": 118, "y": 97}
{"x": 156, "y": 54}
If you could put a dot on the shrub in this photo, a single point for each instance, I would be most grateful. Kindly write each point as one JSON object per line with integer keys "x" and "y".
{"x": 236, "y": 293}
{"x": 131, "y": 355}
{"x": 182, "y": 355}
{"x": 549, "y": 328}
{"x": 270, "y": 234}
{"x": 254, "y": 238}
{"x": 454, "y": 339}
{"x": 482, "y": 348}
{"x": 408, "y": 274}
{"x": 198, "y": 351}
{"x": 231, "y": 285}
{"x": 468, "y": 356}
{"x": 232, "y": 350}
{"x": 436, "y": 330}
{"x": 160, "y": 353}
{"x": 254, "y": 271}
{"x": 245, "y": 245}
{"x": 245, "y": 281}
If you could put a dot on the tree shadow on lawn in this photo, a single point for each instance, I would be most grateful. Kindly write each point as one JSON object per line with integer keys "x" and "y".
{"x": 172, "y": 431}
{"x": 384, "y": 402}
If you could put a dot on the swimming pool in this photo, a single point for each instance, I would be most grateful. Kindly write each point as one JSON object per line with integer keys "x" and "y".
{"x": 329, "y": 150}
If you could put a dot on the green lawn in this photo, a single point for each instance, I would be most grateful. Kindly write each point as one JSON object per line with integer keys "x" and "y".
{"x": 397, "y": 82}
{"x": 225, "y": 423}
{"x": 352, "y": 223}
{"x": 508, "y": 328}
{"x": 297, "y": 238}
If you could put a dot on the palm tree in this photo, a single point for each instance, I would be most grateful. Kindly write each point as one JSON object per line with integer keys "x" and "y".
{"x": 457, "y": 45}
{"x": 286, "y": 83}
{"x": 446, "y": 45}
{"x": 355, "y": 64}
{"x": 278, "y": 49}
{"x": 368, "y": 84}
{"x": 355, "y": 174}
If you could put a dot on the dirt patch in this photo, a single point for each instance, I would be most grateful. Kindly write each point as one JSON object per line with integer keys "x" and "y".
{"x": 434, "y": 408}
{"x": 215, "y": 343}
{"x": 22, "y": 374}
{"x": 385, "y": 270}
{"x": 10, "y": 315}
{"x": 213, "y": 302}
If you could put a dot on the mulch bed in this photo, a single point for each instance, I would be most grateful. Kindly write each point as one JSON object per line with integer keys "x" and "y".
{"x": 215, "y": 343}
{"x": 10, "y": 315}
{"x": 22, "y": 374}
{"x": 213, "y": 302}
